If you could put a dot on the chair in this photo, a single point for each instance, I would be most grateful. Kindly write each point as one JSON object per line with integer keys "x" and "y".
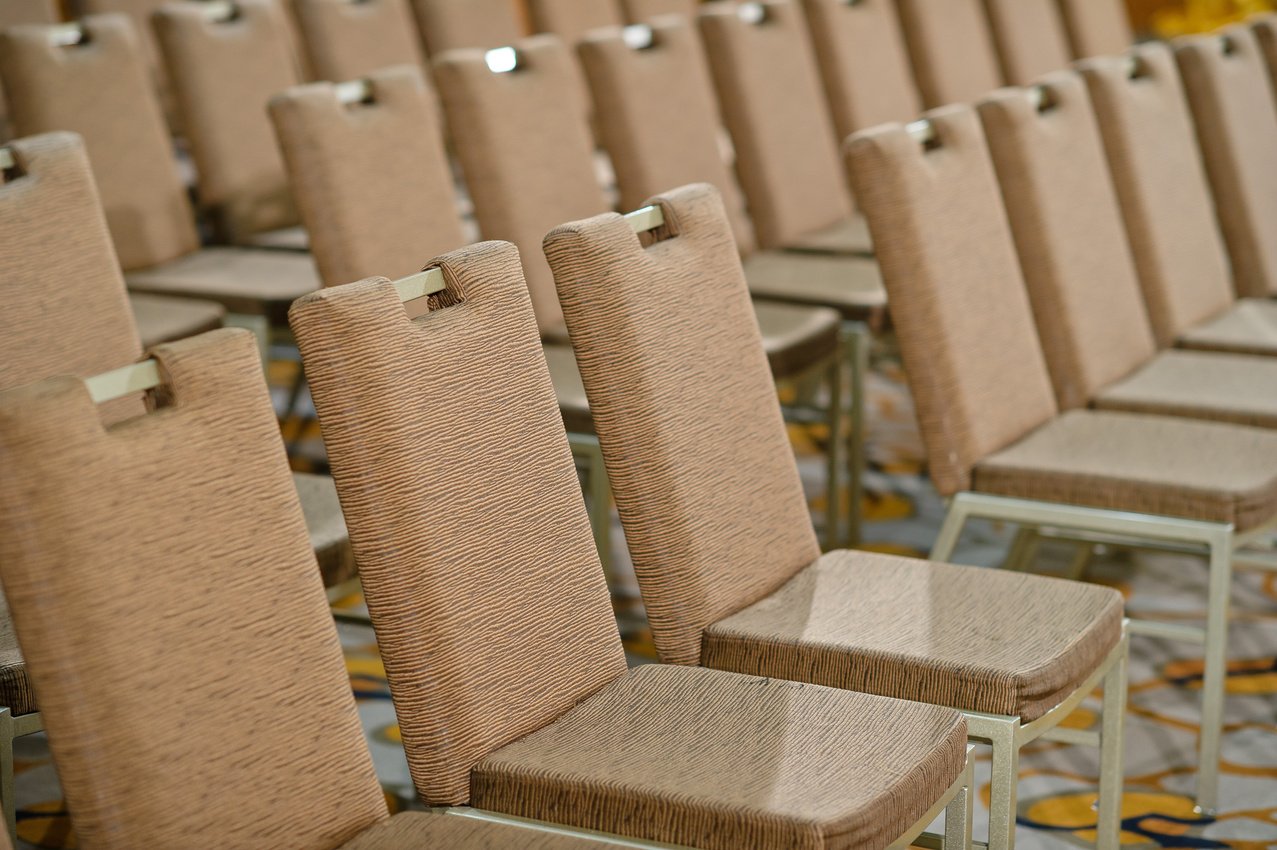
{"x": 139, "y": 13}
{"x": 732, "y": 579}
{"x": 348, "y": 39}
{"x": 863, "y": 63}
{"x": 997, "y": 443}
{"x": 528, "y": 710}
{"x": 1096, "y": 27}
{"x": 224, "y": 62}
{"x": 1231, "y": 98}
{"x": 57, "y": 81}
{"x": 13, "y": 13}
{"x": 1080, "y": 273}
{"x": 137, "y": 699}
{"x": 954, "y": 60}
{"x": 450, "y": 24}
{"x": 1029, "y": 37}
{"x": 1167, "y": 208}
{"x": 642, "y": 11}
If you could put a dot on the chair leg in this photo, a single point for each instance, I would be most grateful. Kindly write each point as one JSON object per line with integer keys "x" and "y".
{"x": 950, "y": 530}
{"x": 1109, "y": 824}
{"x": 6, "y": 774}
{"x": 1215, "y": 673}
{"x": 1004, "y": 784}
{"x": 833, "y": 457}
{"x": 856, "y": 342}
{"x": 957, "y": 815}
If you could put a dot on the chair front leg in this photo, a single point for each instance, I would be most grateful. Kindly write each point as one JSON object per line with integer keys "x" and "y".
{"x": 957, "y": 815}
{"x": 1112, "y": 778}
{"x": 1215, "y": 672}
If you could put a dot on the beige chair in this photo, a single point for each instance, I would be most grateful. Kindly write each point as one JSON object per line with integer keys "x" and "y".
{"x": 224, "y": 62}
{"x": 998, "y": 445}
{"x": 1080, "y": 274}
{"x": 1167, "y": 207}
{"x": 449, "y": 24}
{"x": 642, "y": 11}
{"x": 1029, "y": 37}
{"x": 954, "y": 59}
{"x": 347, "y": 39}
{"x": 479, "y": 568}
{"x": 1096, "y": 27}
{"x": 570, "y": 20}
{"x": 714, "y": 516}
{"x": 90, "y": 78}
{"x": 1233, "y": 106}
{"x": 13, "y": 13}
{"x": 145, "y": 621}
{"x": 139, "y": 13}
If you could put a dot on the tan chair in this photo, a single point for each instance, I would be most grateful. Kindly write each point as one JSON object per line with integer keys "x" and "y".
{"x": 478, "y": 566}
{"x": 139, "y": 13}
{"x": 450, "y": 24}
{"x": 14, "y": 13}
{"x": 1029, "y": 37}
{"x": 722, "y": 544}
{"x": 1096, "y": 27}
{"x": 224, "y": 62}
{"x": 348, "y": 39}
{"x": 996, "y": 440}
{"x": 140, "y": 695}
{"x": 642, "y": 11}
{"x": 954, "y": 59}
{"x": 1233, "y": 106}
{"x": 570, "y": 20}
{"x": 90, "y": 78}
{"x": 1167, "y": 207}
{"x": 863, "y": 63}
{"x": 1081, "y": 276}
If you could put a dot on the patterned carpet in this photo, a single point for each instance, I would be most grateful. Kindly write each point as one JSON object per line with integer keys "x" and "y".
{"x": 1057, "y": 783}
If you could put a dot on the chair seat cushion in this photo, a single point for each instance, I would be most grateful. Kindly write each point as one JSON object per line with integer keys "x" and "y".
{"x": 965, "y": 637}
{"x": 1236, "y": 388}
{"x": 796, "y": 337}
{"x": 716, "y": 760}
{"x": 252, "y": 282}
{"x": 1206, "y": 471}
{"x": 16, "y": 693}
{"x": 569, "y": 389}
{"x": 1248, "y": 327}
{"x": 849, "y": 236}
{"x": 284, "y": 239}
{"x": 851, "y": 285}
{"x": 162, "y": 319}
{"x": 423, "y": 831}
{"x": 327, "y": 527}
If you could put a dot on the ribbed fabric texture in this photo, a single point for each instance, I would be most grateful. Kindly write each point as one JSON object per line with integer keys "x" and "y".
{"x": 16, "y": 692}
{"x": 1096, "y": 27}
{"x": 345, "y": 40}
{"x": 190, "y": 514}
{"x": 1235, "y": 388}
{"x": 449, "y": 24}
{"x": 464, "y": 510}
{"x": 954, "y": 60}
{"x": 421, "y": 830}
{"x": 1029, "y": 37}
{"x": 15, "y": 12}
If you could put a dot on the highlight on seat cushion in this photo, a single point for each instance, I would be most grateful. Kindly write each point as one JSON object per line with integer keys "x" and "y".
{"x": 1250, "y": 327}
{"x": 244, "y": 281}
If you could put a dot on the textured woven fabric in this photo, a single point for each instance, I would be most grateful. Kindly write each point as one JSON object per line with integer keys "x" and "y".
{"x": 1029, "y": 37}
{"x": 16, "y": 693}
{"x": 1161, "y": 183}
{"x": 327, "y": 527}
{"x": 1250, "y": 327}
{"x": 420, "y": 831}
{"x": 100, "y": 89}
{"x": 1146, "y": 464}
{"x": 449, "y": 24}
{"x": 526, "y": 152}
{"x": 863, "y": 63}
{"x": 903, "y": 627}
{"x": 13, "y": 13}
{"x": 372, "y": 179}
{"x": 954, "y": 60}
{"x": 643, "y": 11}
{"x": 1231, "y": 98}
{"x": 719, "y": 761}
{"x": 772, "y": 104}
{"x": 975, "y": 365}
{"x": 139, "y": 13}
{"x": 852, "y": 285}
{"x": 348, "y": 39}
{"x": 491, "y": 610}
{"x": 1096, "y": 27}
{"x": 570, "y": 20}
{"x": 635, "y": 358}
{"x": 222, "y": 74}
{"x": 848, "y": 236}
{"x": 211, "y": 542}
{"x": 1067, "y": 226}
{"x": 161, "y": 319}
{"x": 1234, "y": 388}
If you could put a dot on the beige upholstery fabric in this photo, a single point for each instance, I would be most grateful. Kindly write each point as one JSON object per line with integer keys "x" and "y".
{"x": 14, "y": 12}
{"x": 1232, "y": 101}
{"x": 1234, "y": 388}
{"x": 16, "y": 693}
{"x": 852, "y": 285}
{"x": 327, "y": 527}
{"x": 139, "y": 13}
{"x": 224, "y": 575}
{"x": 1250, "y": 327}
{"x": 902, "y": 627}
{"x": 348, "y": 39}
{"x": 1096, "y": 27}
{"x": 644, "y": 11}
{"x": 526, "y": 152}
{"x": 848, "y": 236}
{"x": 222, "y": 74}
{"x": 160, "y": 319}
{"x": 1161, "y": 183}
{"x": 692, "y": 568}
{"x": 954, "y": 60}
{"x": 863, "y": 63}
{"x": 570, "y": 20}
{"x": 966, "y": 329}
{"x": 372, "y": 179}
{"x": 449, "y": 571}
{"x": 100, "y": 89}
{"x": 249, "y": 282}
{"x": 1147, "y": 464}
{"x": 1264, "y": 27}
{"x": 772, "y": 103}
{"x": 713, "y": 760}
{"x": 449, "y": 24}
{"x": 1068, "y": 232}
{"x": 1029, "y": 37}
{"x": 422, "y": 831}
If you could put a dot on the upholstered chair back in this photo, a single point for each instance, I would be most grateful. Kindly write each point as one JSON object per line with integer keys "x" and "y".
{"x": 449, "y": 24}
{"x": 954, "y": 59}
{"x": 570, "y": 20}
{"x": 1068, "y": 231}
{"x": 164, "y": 590}
{"x": 975, "y": 365}
{"x": 1029, "y": 37}
{"x": 1096, "y": 27}
{"x": 371, "y": 177}
{"x": 731, "y": 524}
{"x": 15, "y": 12}
{"x": 643, "y": 11}
{"x": 99, "y": 88}
{"x": 347, "y": 39}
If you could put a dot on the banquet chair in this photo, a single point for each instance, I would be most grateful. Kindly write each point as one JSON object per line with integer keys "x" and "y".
{"x": 347, "y": 39}
{"x": 450, "y": 24}
{"x": 723, "y": 546}
{"x": 1097, "y": 27}
{"x": 528, "y": 710}
{"x": 230, "y": 669}
{"x": 643, "y": 11}
{"x": 1078, "y": 268}
{"x": 997, "y": 443}
{"x": 139, "y": 13}
{"x": 1167, "y": 207}
{"x": 13, "y": 13}
{"x": 1029, "y": 38}
{"x": 951, "y": 47}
